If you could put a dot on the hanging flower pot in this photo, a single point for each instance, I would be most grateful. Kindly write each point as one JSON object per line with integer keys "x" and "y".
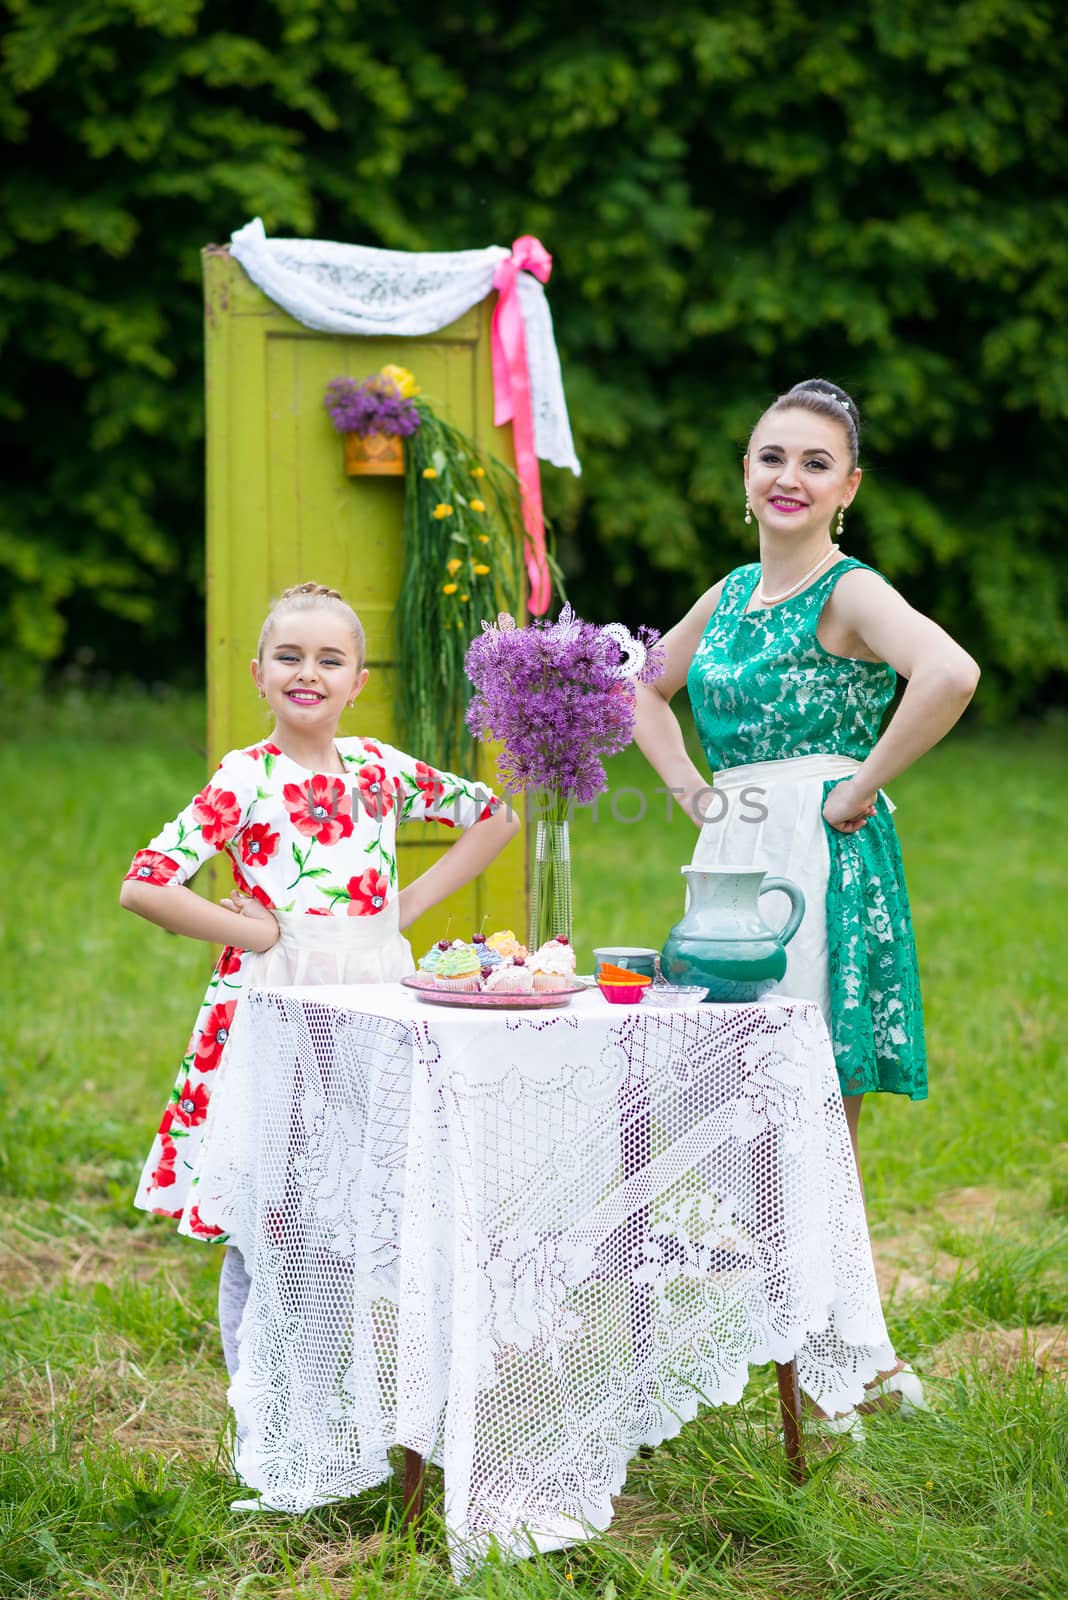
{"x": 378, "y": 455}
{"x": 374, "y": 417}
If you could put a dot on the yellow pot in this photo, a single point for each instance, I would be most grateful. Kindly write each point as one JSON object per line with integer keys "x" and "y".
{"x": 374, "y": 455}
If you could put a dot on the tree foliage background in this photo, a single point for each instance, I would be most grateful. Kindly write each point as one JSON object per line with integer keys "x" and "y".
{"x": 736, "y": 196}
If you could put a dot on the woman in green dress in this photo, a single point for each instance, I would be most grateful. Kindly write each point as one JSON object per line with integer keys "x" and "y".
{"x": 791, "y": 663}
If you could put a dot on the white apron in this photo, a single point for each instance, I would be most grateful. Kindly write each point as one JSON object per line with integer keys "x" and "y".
{"x": 770, "y": 814}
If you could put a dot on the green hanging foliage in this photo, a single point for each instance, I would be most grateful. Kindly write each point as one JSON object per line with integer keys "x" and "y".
{"x": 462, "y": 528}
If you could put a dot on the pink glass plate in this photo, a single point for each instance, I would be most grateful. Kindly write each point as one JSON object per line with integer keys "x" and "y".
{"x": 491, "y": 1001}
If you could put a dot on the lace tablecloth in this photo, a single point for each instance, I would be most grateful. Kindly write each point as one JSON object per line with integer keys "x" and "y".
{"x": 525, "y": 1243}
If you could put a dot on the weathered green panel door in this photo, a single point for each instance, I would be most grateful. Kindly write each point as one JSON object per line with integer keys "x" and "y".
{"x": 280, "y": 511}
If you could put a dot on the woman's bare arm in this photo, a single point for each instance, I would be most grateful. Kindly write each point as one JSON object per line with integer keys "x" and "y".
{"x": 656, "y": 729}
{"x": 942, "y": 678}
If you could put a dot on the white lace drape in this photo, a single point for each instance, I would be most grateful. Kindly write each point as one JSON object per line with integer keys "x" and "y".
{"x": 353, "y": 289}
{"x": 526, "y": 1244}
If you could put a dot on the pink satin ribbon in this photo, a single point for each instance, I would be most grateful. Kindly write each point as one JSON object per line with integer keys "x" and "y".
{"x": 512, "y": 402}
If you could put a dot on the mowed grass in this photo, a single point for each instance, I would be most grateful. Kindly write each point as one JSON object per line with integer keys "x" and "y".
{"x": 113, "y": 1475}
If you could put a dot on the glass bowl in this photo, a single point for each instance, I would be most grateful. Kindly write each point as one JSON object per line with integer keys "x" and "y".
{"x": 682, "y": 996}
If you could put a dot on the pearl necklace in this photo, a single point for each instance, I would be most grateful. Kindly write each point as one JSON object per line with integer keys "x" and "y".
{"x": 770, "y": 599}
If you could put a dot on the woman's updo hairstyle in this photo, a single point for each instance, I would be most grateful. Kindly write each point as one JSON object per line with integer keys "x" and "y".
{"x": 825, "y": 400}
{"x": 313, "y": 597}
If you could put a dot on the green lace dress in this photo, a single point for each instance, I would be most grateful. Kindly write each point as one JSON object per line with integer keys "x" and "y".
{"x": 765, "y": 694}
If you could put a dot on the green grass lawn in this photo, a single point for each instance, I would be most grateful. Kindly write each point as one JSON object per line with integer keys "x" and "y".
{"x": 113, "y": 1478}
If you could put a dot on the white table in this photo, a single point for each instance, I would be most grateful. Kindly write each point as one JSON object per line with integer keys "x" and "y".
{"x": 525, "y": 1244}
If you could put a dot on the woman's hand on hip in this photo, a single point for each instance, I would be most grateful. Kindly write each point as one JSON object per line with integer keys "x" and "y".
{"x": 848, "y": 806}
{"x": 263, "y": 929}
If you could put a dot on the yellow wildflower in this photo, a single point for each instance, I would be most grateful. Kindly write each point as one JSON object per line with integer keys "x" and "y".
{"x": 465, "y": 597}
{"x": 480, "y": 569}
{"x": 449, "y": 588}
{"x": 483, "y": 538}
{"x": 453, "y": 566}
{"x": 442, "y": 510}
{"x": 478, "y": 472}
{"x": 477, "y": 505}
{"x": 402, "y": 378}
{"x": 430, "y": 472}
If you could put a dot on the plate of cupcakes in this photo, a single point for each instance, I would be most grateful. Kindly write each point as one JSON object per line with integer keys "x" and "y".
{"x": 496, "y": 972}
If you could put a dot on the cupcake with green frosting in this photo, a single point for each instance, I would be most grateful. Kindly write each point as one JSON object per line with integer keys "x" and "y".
{"x": 429, "y": 964}
{"x": 459, "y": 968}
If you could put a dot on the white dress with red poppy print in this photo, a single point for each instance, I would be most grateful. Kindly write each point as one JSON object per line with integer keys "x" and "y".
{"x": 304, "y": 844}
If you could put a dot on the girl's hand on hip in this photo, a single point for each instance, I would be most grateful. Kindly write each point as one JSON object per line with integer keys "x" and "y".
{"x": 848, "y": 807}
{"x": 263, "y": 929}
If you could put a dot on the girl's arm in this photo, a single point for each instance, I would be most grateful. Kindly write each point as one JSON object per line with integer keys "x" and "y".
{"x": 941, "y": 680}
{"x": 472, "y": 853}
{"x": 179, "y": 910}
{"x": 656, "y": 728}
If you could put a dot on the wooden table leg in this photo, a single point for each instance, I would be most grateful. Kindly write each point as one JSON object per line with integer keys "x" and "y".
{"x": 414, "y": 1478}
{"x": 790, "y": 1406}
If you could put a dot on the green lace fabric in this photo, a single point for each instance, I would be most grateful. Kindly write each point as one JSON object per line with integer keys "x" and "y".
{"x": 763, "y": 688}
{"x": 876, "y": 1007}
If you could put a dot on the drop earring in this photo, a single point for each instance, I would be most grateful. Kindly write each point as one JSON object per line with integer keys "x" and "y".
{"x": 841, "y": 521}
{"x": 748, "y": 509}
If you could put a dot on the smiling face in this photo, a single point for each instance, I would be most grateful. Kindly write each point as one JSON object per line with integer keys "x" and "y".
{"x": 799, "y": 471}
{"x": 308, "y": 671}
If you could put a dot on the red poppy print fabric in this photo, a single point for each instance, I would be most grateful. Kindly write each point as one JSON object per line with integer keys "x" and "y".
{"x": 149, "y": 866}
{"x": 320, "y": 808}
{"x": 367, "y": 894}
{"x": 311, "y": 843}
{"x": 218, "y": 813}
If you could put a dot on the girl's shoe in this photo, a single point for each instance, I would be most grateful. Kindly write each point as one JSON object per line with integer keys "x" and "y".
{"x": 905, "y": 1384}
{"x": 849, "y": 1427}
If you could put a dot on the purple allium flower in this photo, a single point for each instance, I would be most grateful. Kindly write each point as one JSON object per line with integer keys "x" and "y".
{"x": 556, "y": 697}
{"x": 374, "y": 406}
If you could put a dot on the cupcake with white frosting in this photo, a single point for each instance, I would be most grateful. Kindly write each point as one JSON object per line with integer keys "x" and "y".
{"x": 511, "y": 977}
{"x": 553, "y": 966}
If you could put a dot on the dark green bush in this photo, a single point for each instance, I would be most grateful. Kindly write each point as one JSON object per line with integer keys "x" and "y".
{"x": 735, "y": 196}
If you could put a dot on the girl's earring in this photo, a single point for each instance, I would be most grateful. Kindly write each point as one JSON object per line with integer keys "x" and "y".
{"x": 748, "y": 509}
{"x": 841, "y": 520}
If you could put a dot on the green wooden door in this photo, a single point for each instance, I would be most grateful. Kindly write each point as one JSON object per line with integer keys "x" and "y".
{"x": 281, "y": 511}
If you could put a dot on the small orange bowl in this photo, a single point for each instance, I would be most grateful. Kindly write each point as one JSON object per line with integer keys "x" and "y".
{"x": 622, "y": 994}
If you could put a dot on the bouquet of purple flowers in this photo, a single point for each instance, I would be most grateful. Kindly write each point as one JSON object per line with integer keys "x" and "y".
{"x": 559, "y": 697}
{"x": 382, "y": 403}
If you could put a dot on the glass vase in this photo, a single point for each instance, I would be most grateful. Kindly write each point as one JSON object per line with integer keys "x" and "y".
{"x": 550, "y": 883}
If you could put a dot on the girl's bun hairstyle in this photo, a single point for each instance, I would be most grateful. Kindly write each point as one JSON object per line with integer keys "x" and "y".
{"x": 824, "y": 399}
{"x": 314, "y": 597}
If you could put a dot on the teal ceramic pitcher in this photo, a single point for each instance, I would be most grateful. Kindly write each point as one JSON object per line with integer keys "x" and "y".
{"x": 723, "y": 941}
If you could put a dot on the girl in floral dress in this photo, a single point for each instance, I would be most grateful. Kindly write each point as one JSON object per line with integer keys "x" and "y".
{"x": 308, "y": 822}
{"x": 791, "y": 663}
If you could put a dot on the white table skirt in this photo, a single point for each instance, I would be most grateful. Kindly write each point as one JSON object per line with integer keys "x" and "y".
{"x": 526, "y": 1243}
